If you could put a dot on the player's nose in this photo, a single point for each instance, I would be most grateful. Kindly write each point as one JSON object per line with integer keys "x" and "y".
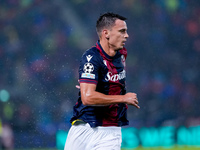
{"x": 126, "y": 35}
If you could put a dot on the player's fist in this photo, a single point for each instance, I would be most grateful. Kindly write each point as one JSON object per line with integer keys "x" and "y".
{"x": 131, "y": 99}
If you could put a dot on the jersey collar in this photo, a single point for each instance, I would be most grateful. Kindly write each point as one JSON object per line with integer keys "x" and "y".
{"x": 99, "y": 47}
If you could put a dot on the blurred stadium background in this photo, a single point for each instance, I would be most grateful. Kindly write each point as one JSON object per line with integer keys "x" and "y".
{"x": 41, "y": 42}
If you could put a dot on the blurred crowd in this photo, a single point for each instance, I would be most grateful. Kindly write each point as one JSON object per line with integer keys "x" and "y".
{"x": 41, "y": 43}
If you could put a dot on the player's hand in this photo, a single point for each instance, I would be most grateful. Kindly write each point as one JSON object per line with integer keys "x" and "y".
{"x": 78, "y": 86}
{"x": 131, "y": 99}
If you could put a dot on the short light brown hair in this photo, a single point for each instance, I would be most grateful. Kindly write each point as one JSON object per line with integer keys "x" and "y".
{"x": 107, "y": 20}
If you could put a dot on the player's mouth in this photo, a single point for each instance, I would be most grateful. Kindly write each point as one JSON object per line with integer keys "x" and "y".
{"x": 123, "y": 43}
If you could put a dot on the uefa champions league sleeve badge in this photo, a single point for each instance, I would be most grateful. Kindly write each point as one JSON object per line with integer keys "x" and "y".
{"x": 88, "y": 68}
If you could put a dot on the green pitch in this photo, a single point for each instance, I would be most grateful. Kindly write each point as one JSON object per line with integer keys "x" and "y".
{"x": 160, "y": 148}
{"x": 138, "y": 148}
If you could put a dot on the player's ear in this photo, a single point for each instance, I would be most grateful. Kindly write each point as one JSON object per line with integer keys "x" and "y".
{"x": 106, "y": 33}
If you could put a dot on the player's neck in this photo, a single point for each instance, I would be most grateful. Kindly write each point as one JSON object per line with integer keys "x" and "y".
{"x": 107, "y": 48}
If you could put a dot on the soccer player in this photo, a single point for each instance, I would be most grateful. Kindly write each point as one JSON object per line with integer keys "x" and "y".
{"x": 101, "y": 109}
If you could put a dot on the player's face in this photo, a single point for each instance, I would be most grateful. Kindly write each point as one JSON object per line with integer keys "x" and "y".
{"x": 118, "y": 35}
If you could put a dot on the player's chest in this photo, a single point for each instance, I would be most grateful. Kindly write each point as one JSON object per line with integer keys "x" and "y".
{"x": 113, "y": 70}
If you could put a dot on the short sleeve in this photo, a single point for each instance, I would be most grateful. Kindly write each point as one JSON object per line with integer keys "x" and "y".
{"x": 89, "y": 68}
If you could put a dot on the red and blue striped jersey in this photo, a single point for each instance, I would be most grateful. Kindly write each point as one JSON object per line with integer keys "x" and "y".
{"x": 108, "y": 73}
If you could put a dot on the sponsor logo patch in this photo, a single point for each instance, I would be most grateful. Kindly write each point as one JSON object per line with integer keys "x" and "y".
{"x": 115, "y": 77}
{"x": 88, "y": 75}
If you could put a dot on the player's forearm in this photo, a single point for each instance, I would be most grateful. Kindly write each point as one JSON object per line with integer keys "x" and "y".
{"x": 97, "y": 98}
{"x": 90, "y": 96}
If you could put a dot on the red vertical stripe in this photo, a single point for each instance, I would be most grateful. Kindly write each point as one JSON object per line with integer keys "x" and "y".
{"x": 111, "y": 118}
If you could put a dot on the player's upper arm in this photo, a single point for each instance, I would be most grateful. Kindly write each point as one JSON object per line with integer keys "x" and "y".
{"x": 89, "y": 67}
{"x": 87, "y": 91}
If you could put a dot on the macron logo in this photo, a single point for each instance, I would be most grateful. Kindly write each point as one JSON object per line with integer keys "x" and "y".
{"x": 89, "y": 57}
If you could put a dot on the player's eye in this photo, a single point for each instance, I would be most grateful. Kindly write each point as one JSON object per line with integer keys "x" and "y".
{"x": 122, "y": 30}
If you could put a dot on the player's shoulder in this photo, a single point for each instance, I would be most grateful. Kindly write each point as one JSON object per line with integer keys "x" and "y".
{"x": 92, "y": 52}
{"x": 123, "y": 52}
